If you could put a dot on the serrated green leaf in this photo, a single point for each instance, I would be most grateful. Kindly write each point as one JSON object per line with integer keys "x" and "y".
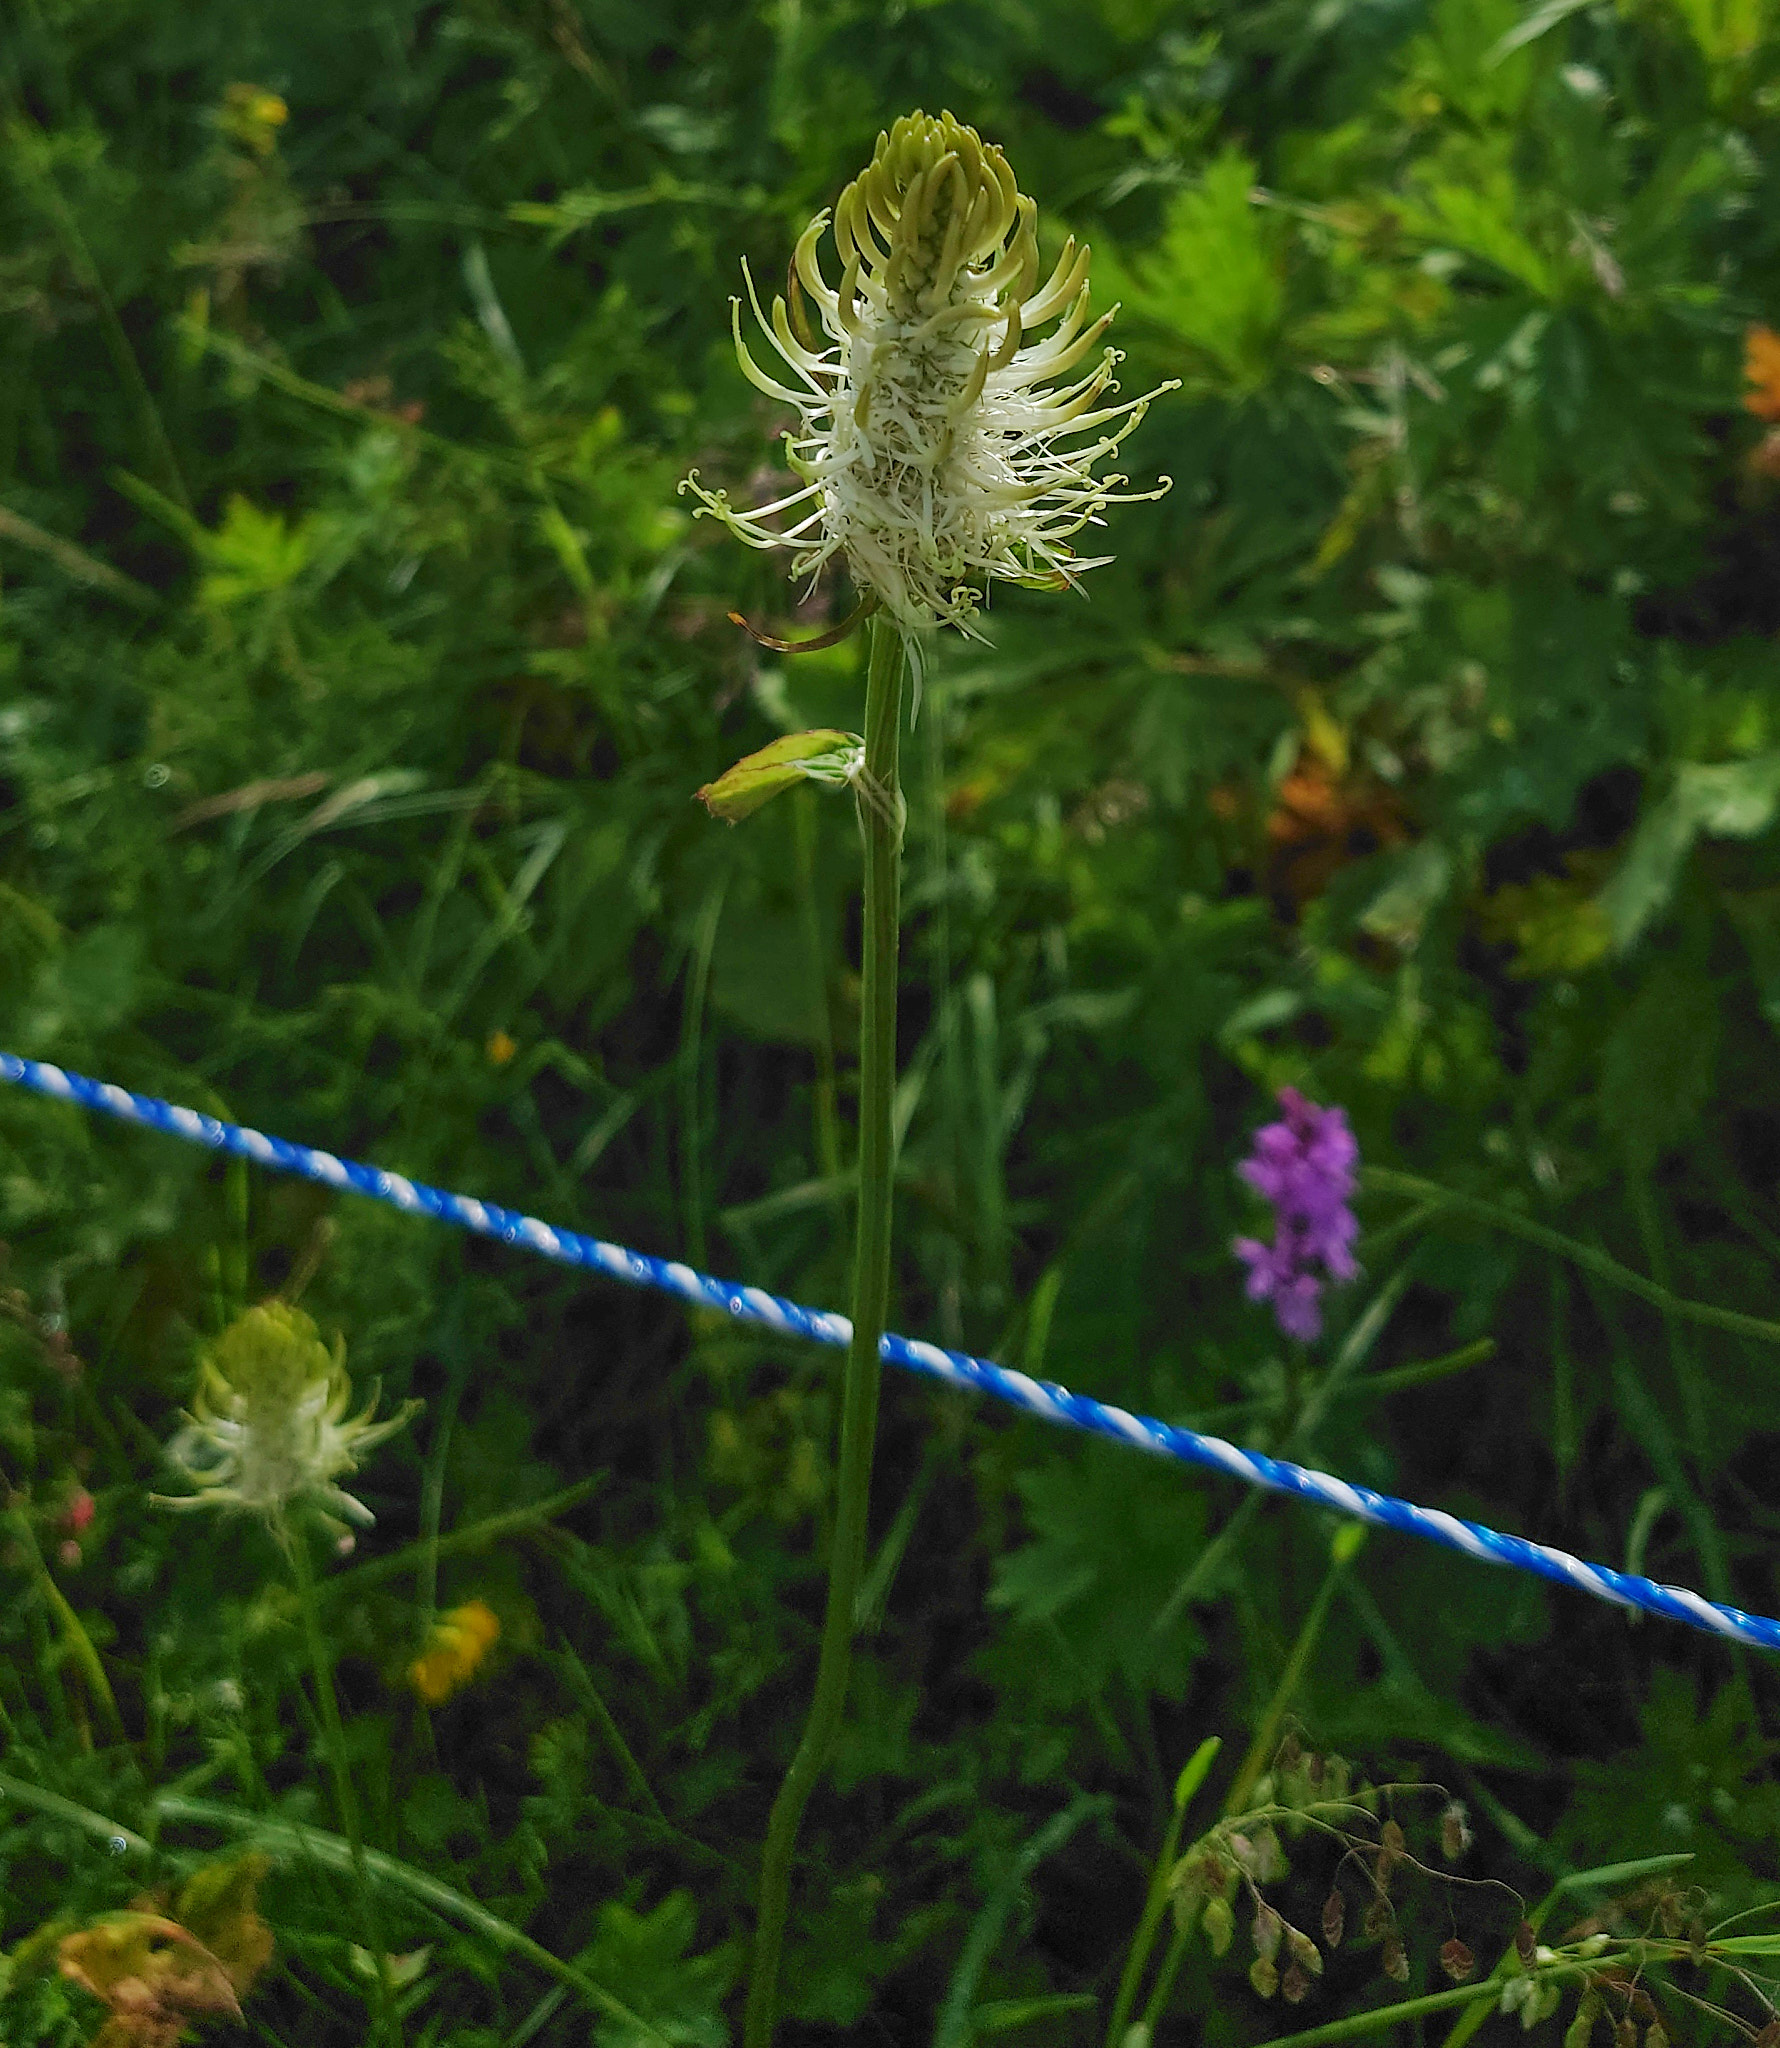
{"x": 1657, "y": 1066}
{"x": 1110, "y": 1540}
{"x": 1216, "y": 278}
{"x": 642, "y": 1958}
{"x": 1727, "y": 800}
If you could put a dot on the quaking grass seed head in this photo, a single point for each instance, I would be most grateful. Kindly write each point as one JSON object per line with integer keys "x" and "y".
{"x": 938, "y": 450}
{"x": 268, "y": 1427}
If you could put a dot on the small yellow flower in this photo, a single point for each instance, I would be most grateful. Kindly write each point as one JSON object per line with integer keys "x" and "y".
{"x": 268, "y": 1425}
{"x": 937, "y": 453}
{"x": 500, "y": 1048}
{"x": 252, "y": 115}
{"x": 455, "y": 1646}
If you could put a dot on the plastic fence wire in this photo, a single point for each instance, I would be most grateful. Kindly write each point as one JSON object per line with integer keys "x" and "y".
{"x": 1043, "y": 1398}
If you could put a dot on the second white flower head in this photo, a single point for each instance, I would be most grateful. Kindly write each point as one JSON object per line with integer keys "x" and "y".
{"x": 937, "y": 453}
{"x": 269, "y": 1426}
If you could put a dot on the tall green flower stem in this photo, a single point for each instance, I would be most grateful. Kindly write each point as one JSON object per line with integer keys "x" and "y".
{"x": 295, "y": 1545}
{"x": 880, "y": 825}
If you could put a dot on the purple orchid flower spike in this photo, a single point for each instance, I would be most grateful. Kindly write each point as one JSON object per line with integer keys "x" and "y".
{"x": 1304, "y": 1167}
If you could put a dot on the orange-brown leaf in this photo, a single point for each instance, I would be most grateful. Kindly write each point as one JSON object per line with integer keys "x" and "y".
{"x": 156, "y": 1977}
{"x": 1761, "y": 371}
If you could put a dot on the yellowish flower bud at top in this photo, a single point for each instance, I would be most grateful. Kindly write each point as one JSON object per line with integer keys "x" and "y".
{"x": 938, "y": 452}
{"x": 937, "y": 222}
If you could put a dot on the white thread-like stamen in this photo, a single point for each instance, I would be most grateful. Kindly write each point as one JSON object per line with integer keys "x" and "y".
{"x": 938, "y": 456}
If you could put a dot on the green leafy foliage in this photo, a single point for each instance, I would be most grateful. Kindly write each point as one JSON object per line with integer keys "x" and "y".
{"x": 642, "y": 1957}
{"x": 1086, "y": 1594}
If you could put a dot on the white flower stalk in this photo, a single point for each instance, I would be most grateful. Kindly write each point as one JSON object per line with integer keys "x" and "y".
{"x": 938, "y": 451}
{"x": 268, "y": 1425}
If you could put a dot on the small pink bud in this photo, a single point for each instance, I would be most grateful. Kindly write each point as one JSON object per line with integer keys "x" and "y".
{"x": 78, "y": 1514}
{"x": 68, "y": 1553}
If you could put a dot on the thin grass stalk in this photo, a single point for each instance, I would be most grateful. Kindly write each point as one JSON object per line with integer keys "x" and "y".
{"x": 691, "y": 1064}
{"x": 296, "y": 1547}
{"x": 336, "y": 1854}
{"x": 880, "y": 811}
{"x": 1156, "y": 1901}
{"x": 76, "y": 1641}
{"x": 1590, "y": 1258}
{"x": 1344, "y": 1547}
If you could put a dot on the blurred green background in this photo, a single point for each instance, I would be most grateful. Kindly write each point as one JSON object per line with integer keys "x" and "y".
{"x": 358, "y": 662}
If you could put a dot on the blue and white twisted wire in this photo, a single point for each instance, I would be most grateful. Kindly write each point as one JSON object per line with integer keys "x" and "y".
{"x": 1042, "y": 1398}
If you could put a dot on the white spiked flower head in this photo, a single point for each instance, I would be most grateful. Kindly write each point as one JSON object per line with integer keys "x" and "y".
{"x": 938, "y": 452}
{"x": 268, "y": 1424}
